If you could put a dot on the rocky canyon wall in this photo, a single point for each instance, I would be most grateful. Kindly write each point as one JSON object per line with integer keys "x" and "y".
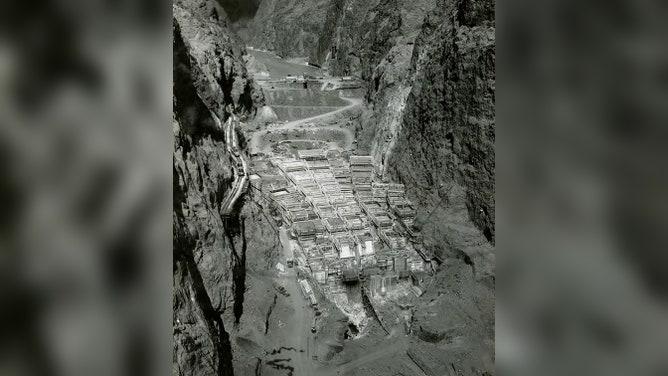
{"x": 290, "y": 28}
{"x": 210, "y": 251}
{"x": 429, "y": 71}
{"x": 428, "y": 67}
{"x": 447, "y": 136}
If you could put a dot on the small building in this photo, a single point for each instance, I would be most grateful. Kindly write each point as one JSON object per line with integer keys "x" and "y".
{"x": 312, "y": 154}
{"x": 304, "y": 228}
{"x": 354, "y": 222}
{"x": 345, "y": 246}
{"x": 382, "y": 221}
{"x": 365, "y": 246}
{"x": 334, "y": 224}
{"x": 321, "y": 276}
{"x": 361, "y": 160}
{"x": 297, "y": 215}
{"x": 404, "y": 211}
{"x": 326, "y": 247}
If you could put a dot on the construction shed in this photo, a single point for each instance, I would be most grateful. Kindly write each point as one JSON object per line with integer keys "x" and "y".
{"x": 312, "y": 154}
{"x": 334, "y": 224}
{"x": 361, "y": 160}
{"x": 304, "y": 228}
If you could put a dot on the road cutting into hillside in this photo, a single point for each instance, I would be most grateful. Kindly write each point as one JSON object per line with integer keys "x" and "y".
{"x": 301, "y": 125}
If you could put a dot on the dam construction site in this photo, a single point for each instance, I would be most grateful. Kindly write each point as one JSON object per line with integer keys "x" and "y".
{"x": 323, "y": 226}
{"x": 347, "y": 235}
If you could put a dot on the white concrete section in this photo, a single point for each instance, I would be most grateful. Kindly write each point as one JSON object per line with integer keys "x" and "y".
{"x": 347, "y": 252}
{"x": 369, "y": 247}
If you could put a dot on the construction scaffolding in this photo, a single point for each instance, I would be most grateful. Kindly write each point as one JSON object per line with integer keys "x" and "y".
{"x": 350, "y": 228}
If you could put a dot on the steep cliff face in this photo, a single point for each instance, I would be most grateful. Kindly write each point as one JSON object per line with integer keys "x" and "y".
{"x": 429, "y": 121}
{"x": 428, "y": 66}
{"x": 442, "y": 148}
{"x": 358, "y": 34}
{"x": 210, "y": 83}
{"x": 290, "y": 28}
{"x": 374, "y": 40}
{"x": 221, "y": 77}
{"x": 447, "y": 136}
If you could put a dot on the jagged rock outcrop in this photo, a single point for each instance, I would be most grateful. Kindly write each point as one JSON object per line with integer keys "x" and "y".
{"x": 429, "y": 70}
{"x": 374, "y": 40}
{"x": 221, "y": 77}
{"x": 448, "y": 124}
{"x": 358, "y": 34}
{"x": 443, "y": 151}
{"x": 210, "y": 252}
{"x": 240, "y": 9}
{"x": 429, "y": 121}
{"x": 289, "y": 28}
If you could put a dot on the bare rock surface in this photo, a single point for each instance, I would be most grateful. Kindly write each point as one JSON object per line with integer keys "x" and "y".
{"x": 289, "y": 28}
{"x": 429, "y": 121}
{"x": 221, "y": 76}
{"x": 210, "y": 252}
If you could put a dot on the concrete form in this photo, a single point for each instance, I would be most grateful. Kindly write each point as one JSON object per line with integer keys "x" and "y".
{"x": 345, "y": 223}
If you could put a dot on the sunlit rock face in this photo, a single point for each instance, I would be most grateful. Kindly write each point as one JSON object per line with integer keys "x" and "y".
{"x": 448, "y": 123}
{"x": 210, "y": 84}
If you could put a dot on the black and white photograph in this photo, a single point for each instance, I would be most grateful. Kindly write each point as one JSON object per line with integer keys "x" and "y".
{"x": 320, "y": 188}
{"x": 334, "y": 187}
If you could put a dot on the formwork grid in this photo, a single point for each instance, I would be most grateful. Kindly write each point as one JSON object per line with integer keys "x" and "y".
{"x": 348, "y": 226}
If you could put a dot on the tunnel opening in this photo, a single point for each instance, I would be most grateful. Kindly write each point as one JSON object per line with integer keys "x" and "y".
{"x": 352, "y": 331}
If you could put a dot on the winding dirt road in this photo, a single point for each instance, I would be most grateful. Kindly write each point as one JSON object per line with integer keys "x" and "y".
{"x": 295, "y": 124}
{"x": 294, "y": 335}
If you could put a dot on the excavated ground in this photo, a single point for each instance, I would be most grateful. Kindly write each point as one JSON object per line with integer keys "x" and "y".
{"x": 274, "y": 332}
{"x": 444, "y": 321}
